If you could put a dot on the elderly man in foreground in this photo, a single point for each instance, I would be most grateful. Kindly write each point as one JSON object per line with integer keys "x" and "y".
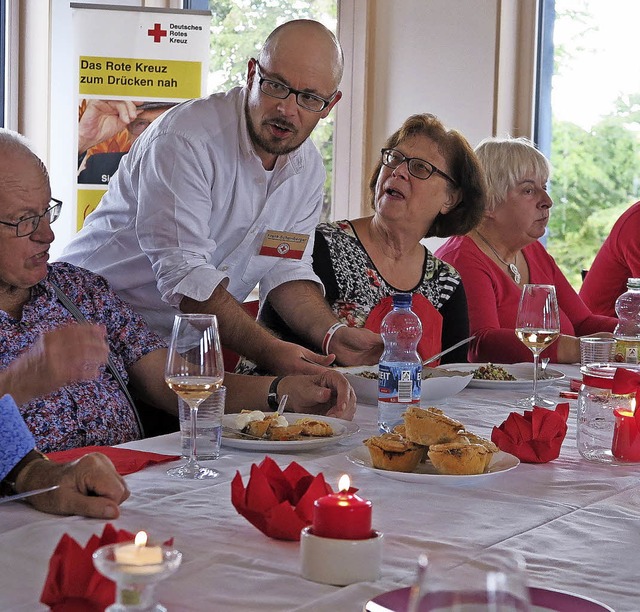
{"x": 61, "y": 325}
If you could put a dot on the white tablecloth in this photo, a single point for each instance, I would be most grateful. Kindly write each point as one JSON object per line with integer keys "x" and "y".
{"x": 576, "y": 522}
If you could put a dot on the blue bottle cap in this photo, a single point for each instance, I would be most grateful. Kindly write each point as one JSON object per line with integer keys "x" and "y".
{"x": 402, "y": 300}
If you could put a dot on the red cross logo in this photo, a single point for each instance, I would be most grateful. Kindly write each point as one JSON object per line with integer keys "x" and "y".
{"x": 157, "y": 32}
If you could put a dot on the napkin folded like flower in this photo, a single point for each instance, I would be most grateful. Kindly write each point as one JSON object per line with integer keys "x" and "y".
{"x": 73, "y": 584}
{"x": 125, "y": 460}
{"x": 536, "y": 436}
{"x": 279, "y": 503}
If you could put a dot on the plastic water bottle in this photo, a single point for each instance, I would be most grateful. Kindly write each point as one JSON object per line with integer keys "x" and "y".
{"x": 400, "y": 369}
{"x": 627, "y": 332}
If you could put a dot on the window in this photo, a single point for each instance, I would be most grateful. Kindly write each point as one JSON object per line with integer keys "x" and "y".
{"x": 588, "y": 122}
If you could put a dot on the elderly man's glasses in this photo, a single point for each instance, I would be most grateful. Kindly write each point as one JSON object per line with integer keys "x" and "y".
{"x": 419, "y": 168}
{"x": 306, "y": 100}
{"x": 26, "y": 227}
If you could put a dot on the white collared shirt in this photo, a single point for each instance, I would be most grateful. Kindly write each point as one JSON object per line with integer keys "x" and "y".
{"x": 188, "y": 209}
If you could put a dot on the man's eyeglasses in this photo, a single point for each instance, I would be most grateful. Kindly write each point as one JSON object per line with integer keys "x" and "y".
{"x": 419, "y": 168}
{"x": 306, "y": 100}
{"x": 26, "y": 227}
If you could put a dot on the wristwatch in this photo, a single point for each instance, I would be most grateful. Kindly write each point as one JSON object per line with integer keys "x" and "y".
{"x": 272, "y": 396}
{"x": 8, "y": 483}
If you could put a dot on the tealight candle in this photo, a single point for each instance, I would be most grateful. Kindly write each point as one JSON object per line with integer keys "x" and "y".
{"x": 144, "y": 559}
{"x": 626, "y": 436}
{"x": 342, "y": 515}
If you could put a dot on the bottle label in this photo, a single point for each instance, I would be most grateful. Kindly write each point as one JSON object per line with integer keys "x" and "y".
{"x": 627, "y": 351}
{"x": 399, "y": 383}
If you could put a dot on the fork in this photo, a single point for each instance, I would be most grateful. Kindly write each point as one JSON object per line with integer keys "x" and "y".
{"x": 240, "y": 434}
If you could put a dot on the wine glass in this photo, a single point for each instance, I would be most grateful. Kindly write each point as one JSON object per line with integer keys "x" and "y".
{"x": 537, "y": 327}
{"x": 463, "y": 580}
{"x": 194, "y": 371}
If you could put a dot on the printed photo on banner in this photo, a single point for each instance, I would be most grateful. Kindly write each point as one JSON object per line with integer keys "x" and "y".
{"x": 106, "y": 131}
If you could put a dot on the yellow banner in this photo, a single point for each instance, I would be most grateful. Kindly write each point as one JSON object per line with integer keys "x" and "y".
{"x": 148, "y": 78}
{"x": 88, "y": 199}
{"x": 130, "y": 67}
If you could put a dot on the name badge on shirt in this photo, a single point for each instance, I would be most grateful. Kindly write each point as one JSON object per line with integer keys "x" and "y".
{"x": 283, "y": 244}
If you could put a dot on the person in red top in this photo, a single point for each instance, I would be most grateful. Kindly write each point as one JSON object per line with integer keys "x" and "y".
{"x": 617, "y": 260}
{"x": 502, "y": 254}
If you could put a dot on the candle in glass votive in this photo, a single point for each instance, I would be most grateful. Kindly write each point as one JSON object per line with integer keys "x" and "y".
{"x": 342, "y": 515}
{"x": 626, "y": 436}
{"x": 146, "y": 559}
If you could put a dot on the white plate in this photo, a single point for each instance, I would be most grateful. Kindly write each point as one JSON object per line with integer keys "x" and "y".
{"x": 425, "y": 472}
{"x": 522, "y": 371}
{"x": 431, "y": 389}
{"x": 343, "y": 429}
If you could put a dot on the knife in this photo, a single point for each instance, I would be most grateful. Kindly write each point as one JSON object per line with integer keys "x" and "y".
{"x": 8, "y": 498}
{"x": 448, "y": 350}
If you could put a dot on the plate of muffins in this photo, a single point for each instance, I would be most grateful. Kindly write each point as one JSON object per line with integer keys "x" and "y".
{"x": 429, "y": 444}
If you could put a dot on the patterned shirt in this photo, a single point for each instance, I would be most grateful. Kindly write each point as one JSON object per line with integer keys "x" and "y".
{"x": 93, "y": 412}
{"x": 15, "y": 438}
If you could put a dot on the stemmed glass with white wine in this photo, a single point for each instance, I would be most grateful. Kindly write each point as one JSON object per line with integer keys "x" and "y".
{"x": 194, "y": 371}
{"x": 537, "y": 327}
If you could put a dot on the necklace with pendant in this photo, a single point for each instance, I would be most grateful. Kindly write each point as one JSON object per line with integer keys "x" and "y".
{"x": 517, "y": 277}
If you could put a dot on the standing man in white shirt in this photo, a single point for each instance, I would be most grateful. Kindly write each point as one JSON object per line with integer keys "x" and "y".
{"x": 223, "y": 192}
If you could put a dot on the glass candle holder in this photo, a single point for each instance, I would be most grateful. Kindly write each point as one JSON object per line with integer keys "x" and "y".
{"x": 135, "y": 583}
{"x": 597, "y": 407}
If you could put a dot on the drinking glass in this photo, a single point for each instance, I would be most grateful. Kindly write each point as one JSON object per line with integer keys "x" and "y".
{"x": 194, "y": 370}
{"x": 459, "y": 580}
{"x": 537, "y": 327}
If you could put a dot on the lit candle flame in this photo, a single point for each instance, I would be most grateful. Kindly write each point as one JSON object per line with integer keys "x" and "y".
{"x": 141, "y": 538}
{"x": 344, "y": 484}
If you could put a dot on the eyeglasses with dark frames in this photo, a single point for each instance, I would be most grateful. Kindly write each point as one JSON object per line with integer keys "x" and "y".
{"x": 417, "y": 167}
{"x": 26, "y": 227}
{"x": 306, "y": 100}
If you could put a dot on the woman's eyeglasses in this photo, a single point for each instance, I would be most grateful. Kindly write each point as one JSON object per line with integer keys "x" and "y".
{"x": 417, "y": 167}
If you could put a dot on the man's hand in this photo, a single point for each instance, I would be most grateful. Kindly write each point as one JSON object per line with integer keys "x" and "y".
{"x": 89, "y": 486}
{"x": 327, "y": 393}
{"x": 356, "y": 346}
{"x": 68, "y": 354}
{"x": 103, "y": 119}
{"x": 288, "y": 358}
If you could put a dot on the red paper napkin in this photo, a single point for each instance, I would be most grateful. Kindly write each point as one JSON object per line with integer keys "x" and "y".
{"x": 279, "y": 503}
{"x": 125, "y": 460}
{"x": 431, "y": 319}
{"x": 536, "y": 436}
{"x": 73, "y": 584}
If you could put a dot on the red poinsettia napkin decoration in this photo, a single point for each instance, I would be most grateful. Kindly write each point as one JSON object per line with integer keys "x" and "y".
{"x": 73, "y": 584}
{"x": 536, "y": 436}
{"x": 279, "y": 503}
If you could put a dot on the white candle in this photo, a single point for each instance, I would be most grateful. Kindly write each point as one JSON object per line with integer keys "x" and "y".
{"x": 143, "y": 557}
